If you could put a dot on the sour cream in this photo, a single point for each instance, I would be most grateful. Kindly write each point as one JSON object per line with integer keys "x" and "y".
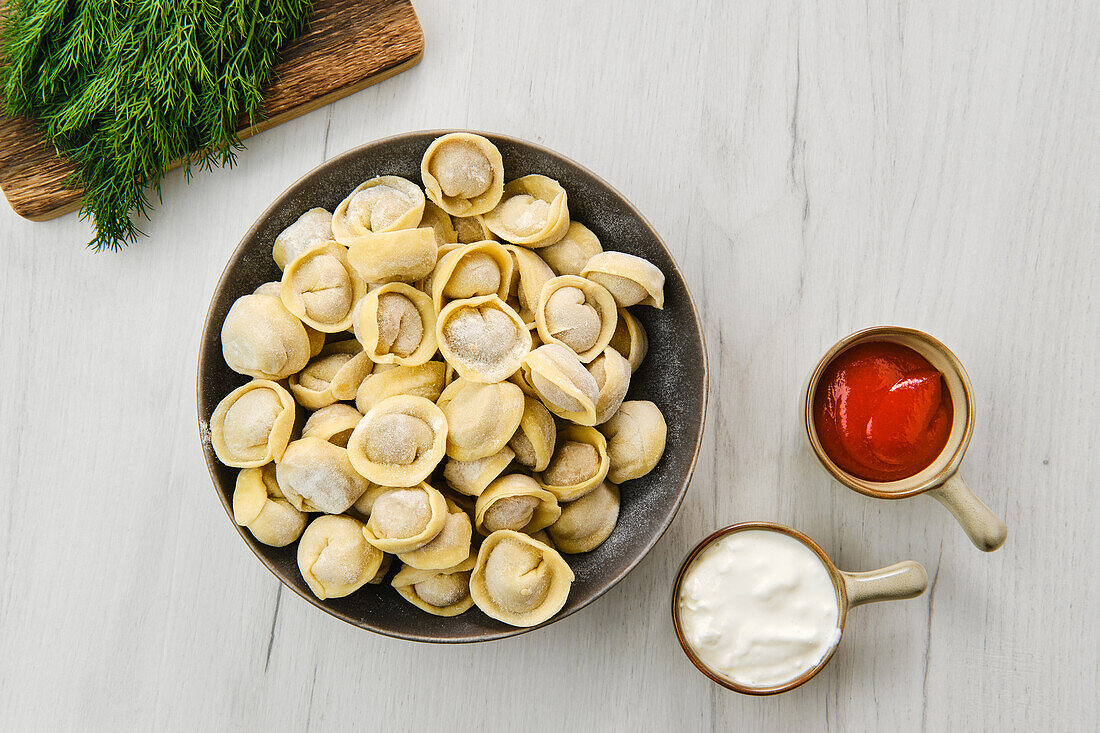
{"x": 759, "y": 608}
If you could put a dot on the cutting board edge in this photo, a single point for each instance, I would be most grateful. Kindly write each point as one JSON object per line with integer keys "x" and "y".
{"x": 333, "y": 96}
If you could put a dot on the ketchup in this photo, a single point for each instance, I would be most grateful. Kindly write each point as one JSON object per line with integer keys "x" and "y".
{"x": 882, "y": 412}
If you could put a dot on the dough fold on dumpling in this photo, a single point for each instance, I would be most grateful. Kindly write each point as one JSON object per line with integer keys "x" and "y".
{"x": 335, "y": 559}
{"x": 406, "y": 519}
{"x": 515, "y": 502}
{"x": 439, "y": 592}
{"x": 463, "y": 173}
{"x": 423, "y": 380}
{"x": 584, "y": 524}
{"x": 481, "y": 418}
{"x": 399, "y": 441}
{"x": 382, "y": 204}
{"x": 321, "y": 288}
{"x": 519, "y": 580}
{"x": 631, "y": 280}
{"x": 440, "y": 222}
{"x": 472, "y": 477}
{"x": 259, "y": 504}
{"x": 311, "y": 228}
{"x": 334, "y": 423}
{"x": 576, "y": 313}
{"x": 630, "y": 339}
{"x": 482, "y": 338}
{"x": 251, "y": 426}
{"x": 448, "y": 548}
{"x": 612, "y": 374}
{"x": 562, "y": 383}
{"x": 334, "y": 374}
{"x": 534, "y": 212}
{"x": 533, "y": 442}
{"x": 316, "y": 475}
{"x": 635, "y": 440}
{"x": 529, "y": 276}
{"x": 396, "y": 325}
{"x": 471, "y": 270}
{"x": 579, "y": 464}
{"x": 406, "y": 255}
{"x": 262, "y": 339}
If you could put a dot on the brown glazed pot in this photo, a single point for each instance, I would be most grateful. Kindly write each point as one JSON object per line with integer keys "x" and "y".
{"x": 673, "y": 375}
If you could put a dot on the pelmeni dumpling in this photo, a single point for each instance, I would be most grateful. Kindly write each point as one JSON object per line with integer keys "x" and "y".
{"x": 396, "y": 325}
{"x": 448, "y": 548}
{"x": 482, "y": 338}
{"x": 335, "y": 559}
{"x": 321, "y": 288}
{"x": 531, "y": 273}
{"x": 470, "y": 229}
{"x": 316, "y": 475}
{"x": 584, "y": 524}
{"x": 481, "y": 417}
{"x": 576, "y": 313}
{"x": 562, "y": 383}
{"x": 463, "y": 173}
{"x": 423, "y": 380}
{"x": 403, "y": 520}
{"x": 470, "y": 270}
{"x": 534, "y": 212}
{"x": 334, "y": 374}
{"x": 252, "y": 424}
{"x": 533, "y": 442}
{"x": 515, "y": 502}
{"x": 472, "y": 477}
{"x": 382, "y": 204}
{"x": 405, "y": 255}
{"x": 571, "y": 253}
{"x": 635, "y": 440}
{"x": 630, "y": 279}
{"x": 580, "y": 462}
{"x": 334, "y": 423}
{"x": 259, "y": 504}
{"x": 630, "y": 339}
{"x": 519, "y": 580}
{"x": 440, "y": 222}
{"x": 439, "y": 592}
{"x": 399, "y": 441}
{"x": 612, "y": 373}
{"x": 262, "y": 339}
{"x": 311, "y": 228}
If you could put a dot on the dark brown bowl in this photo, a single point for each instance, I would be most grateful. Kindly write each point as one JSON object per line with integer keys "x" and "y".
{"x": 673, "y": 375}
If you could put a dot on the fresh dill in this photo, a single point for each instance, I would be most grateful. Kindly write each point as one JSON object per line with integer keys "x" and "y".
{"x": 126, "y": 88}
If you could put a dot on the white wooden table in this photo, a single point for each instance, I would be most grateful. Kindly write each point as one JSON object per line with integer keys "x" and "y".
{"x": 816, "y": 168}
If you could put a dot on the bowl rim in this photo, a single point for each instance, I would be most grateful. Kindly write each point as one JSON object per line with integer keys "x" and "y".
{"x": 204, "y": 339}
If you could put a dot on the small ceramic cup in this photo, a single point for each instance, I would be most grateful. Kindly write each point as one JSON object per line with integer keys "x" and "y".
{"x": 902, "y": 580}
{"x": 940, "y": 479}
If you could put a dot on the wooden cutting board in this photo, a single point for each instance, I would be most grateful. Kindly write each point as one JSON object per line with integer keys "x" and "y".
{"x": 350, "y": 45}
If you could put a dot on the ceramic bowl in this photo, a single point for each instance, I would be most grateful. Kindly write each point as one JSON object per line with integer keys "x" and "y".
{"x": 941, "y": 479}
{"x": 673, "y": 375}
{"x": 906, "y": 579}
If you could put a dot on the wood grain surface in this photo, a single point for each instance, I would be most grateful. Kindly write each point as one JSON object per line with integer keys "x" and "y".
{"x": 815, "y": 168}
{"x": 350, "y": 44}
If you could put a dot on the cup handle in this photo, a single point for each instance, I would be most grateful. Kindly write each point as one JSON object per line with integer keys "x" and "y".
{"x": 982, "y": 526}
{"x": 901, "y": 580}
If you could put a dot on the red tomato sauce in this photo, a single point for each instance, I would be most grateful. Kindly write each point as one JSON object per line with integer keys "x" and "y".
{"x": 882, "y": 412}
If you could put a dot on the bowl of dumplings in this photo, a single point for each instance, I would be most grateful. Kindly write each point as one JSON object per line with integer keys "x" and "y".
{"x": 451, "y": 387}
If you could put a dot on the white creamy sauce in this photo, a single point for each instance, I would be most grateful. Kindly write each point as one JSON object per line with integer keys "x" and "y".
{"x": 759, "y": 608}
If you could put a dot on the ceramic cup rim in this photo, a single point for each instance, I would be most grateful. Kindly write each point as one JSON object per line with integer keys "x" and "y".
{"x": 839, "y": 586}
{"x": 908, "y": 486}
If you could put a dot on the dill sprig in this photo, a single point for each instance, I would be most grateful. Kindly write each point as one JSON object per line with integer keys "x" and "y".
{"x": 126, "y": 88}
